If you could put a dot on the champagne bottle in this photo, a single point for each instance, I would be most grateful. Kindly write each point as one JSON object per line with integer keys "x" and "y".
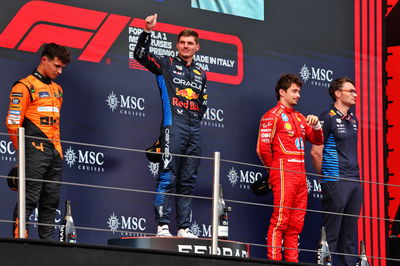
{"x": 323, "y": 253}
{"x": 362, "y": 259}
{"x": 67, "y": 228}
{"x": 223, "y": 229}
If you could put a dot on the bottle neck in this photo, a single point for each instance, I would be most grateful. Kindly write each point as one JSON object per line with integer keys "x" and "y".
{"x": 68, "y": 210}
{"x": 362, "y": 247}
{"x": 323, "y": 234}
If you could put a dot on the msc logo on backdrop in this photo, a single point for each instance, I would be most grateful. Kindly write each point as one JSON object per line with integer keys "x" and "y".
{"x": 244, "y": 177}
{"x": 153, "y": 168}
{"x": 318, "y": 76}
{"x": 314, "y": 188}
{"x": 126, "y": 104}
{"x": 34, "y": 218}
{"x": 213, "y": 117}
{"x": 7, "y": 152}
{"x": 86, "y": 160}
{"x": 202, "y": 230}
{"x": 128, "y": 223}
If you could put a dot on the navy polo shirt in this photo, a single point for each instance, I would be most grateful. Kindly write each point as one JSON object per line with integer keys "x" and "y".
{"x": 340, "y": 145}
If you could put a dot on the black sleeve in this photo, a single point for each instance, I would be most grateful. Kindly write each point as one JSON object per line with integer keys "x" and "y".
{"x": 144, "y": 57}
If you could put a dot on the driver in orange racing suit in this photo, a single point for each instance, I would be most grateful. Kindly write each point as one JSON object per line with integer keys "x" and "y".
{"x": 35, "y": 103}
{"x": 280, "y": 146}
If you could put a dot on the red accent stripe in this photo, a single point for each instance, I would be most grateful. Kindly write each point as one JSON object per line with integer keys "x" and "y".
{"x": 381, "y": 164}
{"x": 44, "y": 12}
{"x": 369, "y": 81}
{"x": 43, "y": 33}
{"x": 104, "y": 38}
{"x": 357, "y": 74}
{"x": 373, "y": 125}
{"x": 364, "y": 121}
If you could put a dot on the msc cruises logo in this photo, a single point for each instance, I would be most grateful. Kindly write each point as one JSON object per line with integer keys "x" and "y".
{"x": 233, "y": 176}
{"x": 317, "y": 75}
{"x": 7, "y": 152}
{"x": 126, "y": 104}
{"x": 201, "y": 230}
{"x": 153, "y": 168}
{"x": 243, "y": 177}
{"x": 195, "y": 228}
{"x": 85, "y": 159}
{"x": 314, "y": 188}
{"x": 305, "y": 73}
{"x": 113, "y": 223}
{"x": 70, "y": 156}
{"x": 112, "y": 101}
{"x": 213, "y": 117}
{"x": 128, "y": 223}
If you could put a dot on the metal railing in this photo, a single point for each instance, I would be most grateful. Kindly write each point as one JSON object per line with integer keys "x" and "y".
{"x": 215, "y": 194}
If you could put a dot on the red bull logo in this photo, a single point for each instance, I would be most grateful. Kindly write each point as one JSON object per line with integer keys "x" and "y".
{"x": 185, "y": 104}
{"x": 187, "y": 93}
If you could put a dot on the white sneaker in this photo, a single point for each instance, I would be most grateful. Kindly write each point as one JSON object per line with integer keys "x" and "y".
{"x": 186, "y": 233}
{"x": 163, "y": 231}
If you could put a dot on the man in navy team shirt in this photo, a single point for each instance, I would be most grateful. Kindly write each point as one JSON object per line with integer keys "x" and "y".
{"x": 337, "y": 159}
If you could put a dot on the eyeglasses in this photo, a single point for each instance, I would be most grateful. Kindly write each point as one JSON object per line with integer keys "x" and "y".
{"x": 352, "y": 92}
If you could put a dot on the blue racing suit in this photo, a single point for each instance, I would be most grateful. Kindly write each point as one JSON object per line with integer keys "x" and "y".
{"x": 184, "y": 101}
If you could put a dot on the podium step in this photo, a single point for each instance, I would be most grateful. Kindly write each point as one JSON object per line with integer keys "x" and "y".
{"x": 226, "y": 248}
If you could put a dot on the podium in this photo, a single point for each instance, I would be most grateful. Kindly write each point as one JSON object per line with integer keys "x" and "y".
{"x": 184, "y": 245}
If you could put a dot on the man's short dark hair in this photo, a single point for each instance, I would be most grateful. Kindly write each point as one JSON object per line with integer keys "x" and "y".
{"x": 285, "y": 81}
{"x": 337, "y": 84}
{"x": 187, "y": 33}
{"x": 52, "y": 50}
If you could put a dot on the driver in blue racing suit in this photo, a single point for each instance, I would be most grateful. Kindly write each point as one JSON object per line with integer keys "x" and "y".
{"x": 182, "y": 87}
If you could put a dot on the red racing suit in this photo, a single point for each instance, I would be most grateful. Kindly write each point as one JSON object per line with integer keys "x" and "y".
{"x": 280, "y": 146}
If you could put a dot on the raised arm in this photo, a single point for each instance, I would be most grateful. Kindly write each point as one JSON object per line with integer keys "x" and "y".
{"x": 142, "y": 50}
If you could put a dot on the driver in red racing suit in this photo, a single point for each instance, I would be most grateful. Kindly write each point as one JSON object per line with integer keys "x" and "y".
{"x": 280, "y": 146}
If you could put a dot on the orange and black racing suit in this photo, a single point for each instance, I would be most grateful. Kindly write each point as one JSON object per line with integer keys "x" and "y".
{"x": 35, "y": 104}
{"x": 281, "y": 146}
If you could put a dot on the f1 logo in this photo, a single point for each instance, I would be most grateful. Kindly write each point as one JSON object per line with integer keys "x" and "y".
{"x": 40, "y": 22}
{"x": 34, "y": 22}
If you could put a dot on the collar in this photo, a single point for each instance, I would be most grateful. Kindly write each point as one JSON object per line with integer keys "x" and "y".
{"x": 287, "y": 109}
{"x": 40, "y": 77}
{"x": 340, "y": 114}
{"x": 184, "y": 62}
